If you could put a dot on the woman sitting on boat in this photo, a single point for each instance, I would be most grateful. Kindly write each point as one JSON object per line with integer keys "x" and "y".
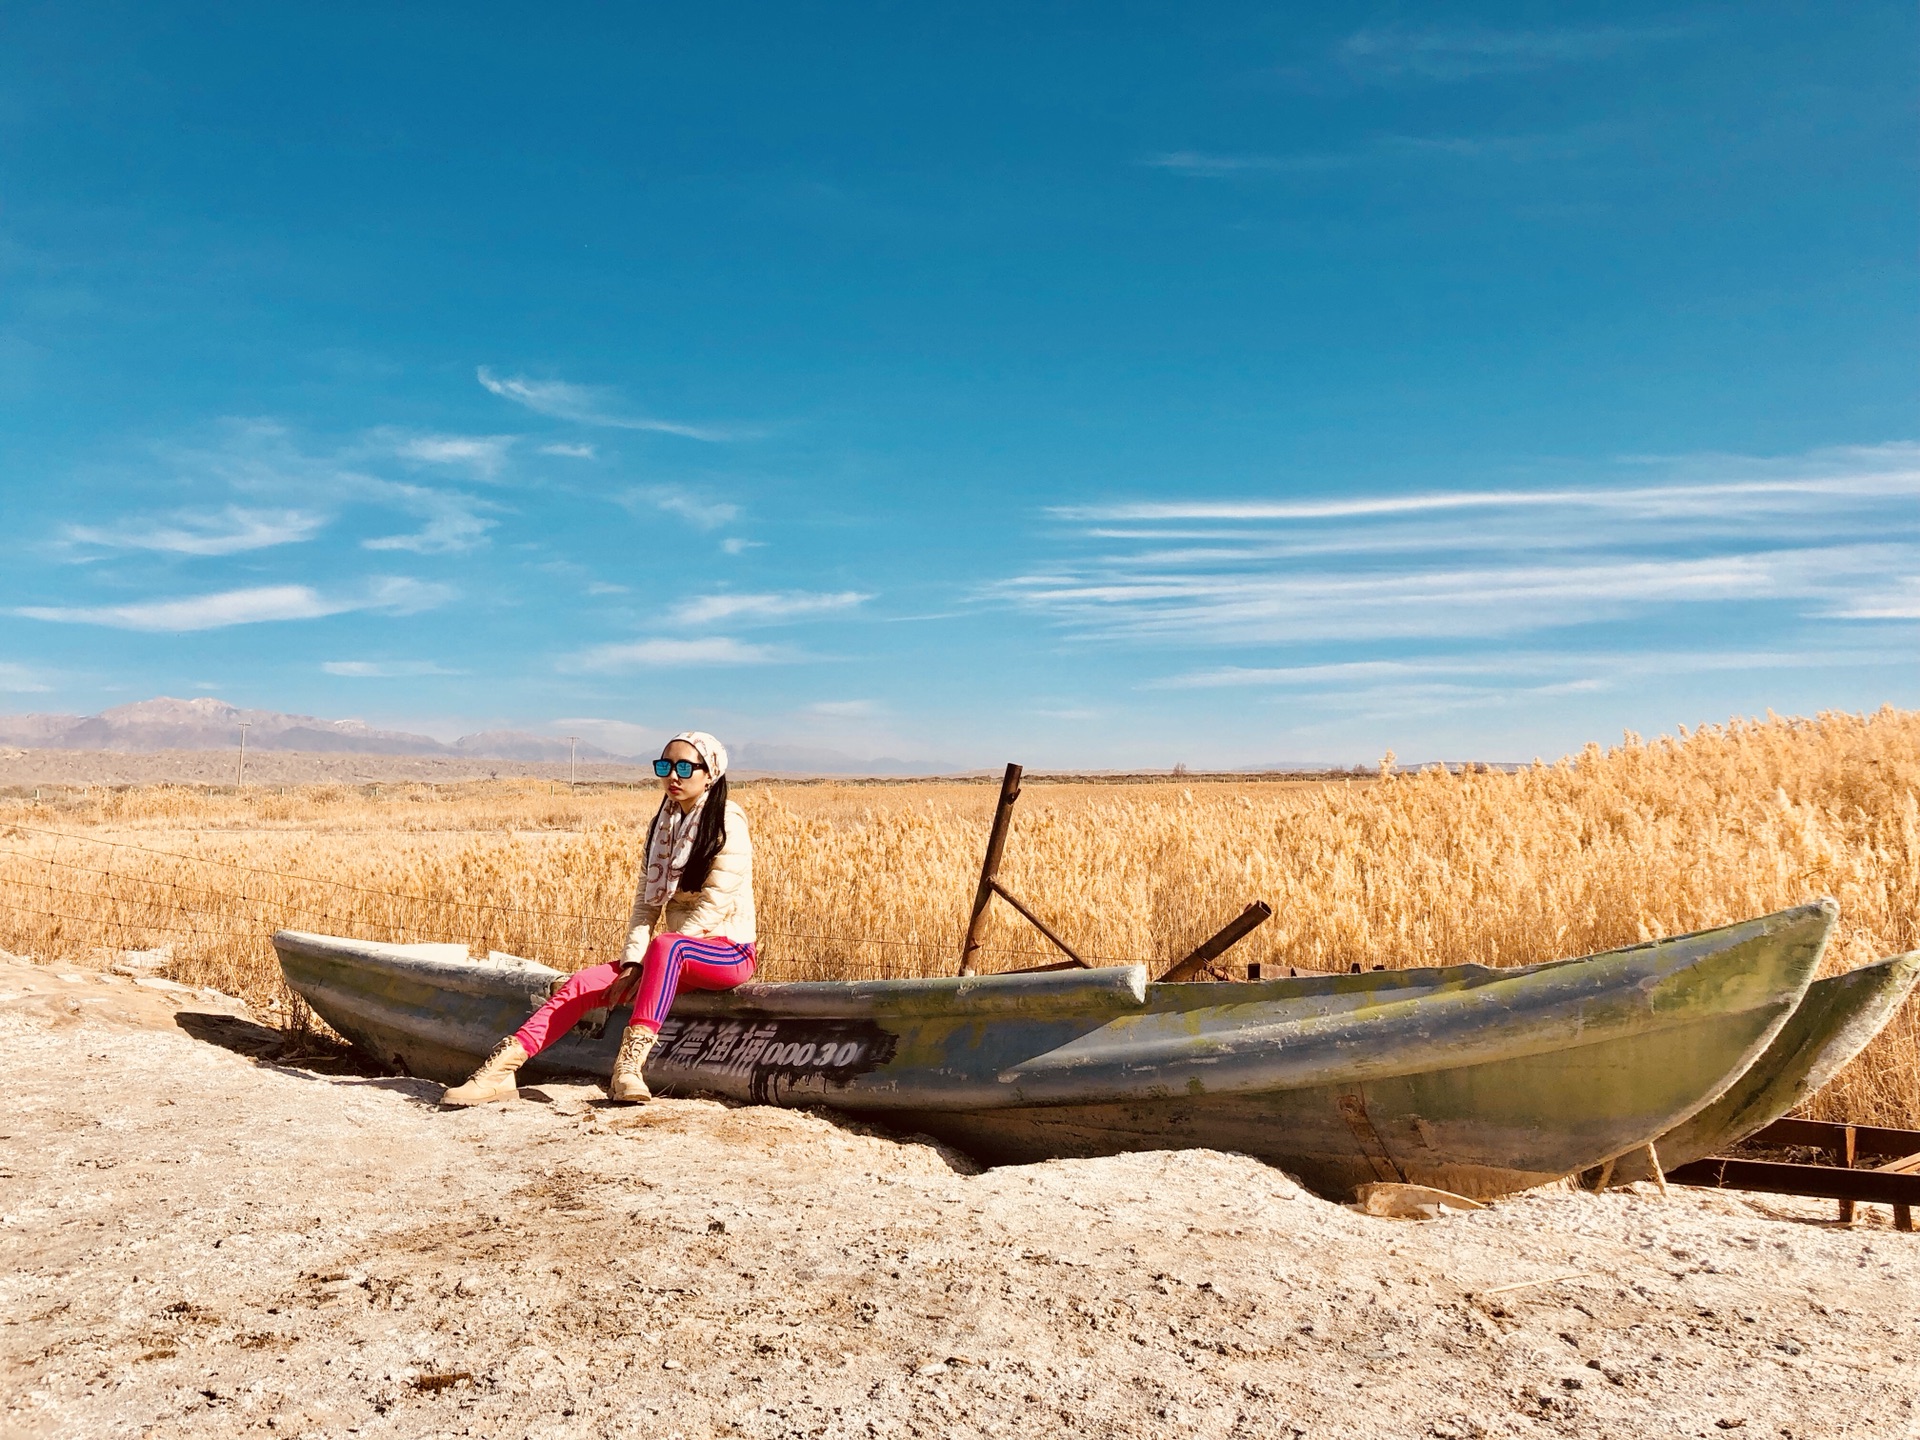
{"x": 692, "y": 926}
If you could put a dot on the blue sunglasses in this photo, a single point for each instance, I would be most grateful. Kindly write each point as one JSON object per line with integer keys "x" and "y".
{"x": 683, "y": 768}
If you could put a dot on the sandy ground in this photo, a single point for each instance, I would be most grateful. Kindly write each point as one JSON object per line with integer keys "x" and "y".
{"x": 196, "y": 1241}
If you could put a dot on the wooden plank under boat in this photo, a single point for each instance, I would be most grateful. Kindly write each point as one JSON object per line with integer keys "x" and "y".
{"x": 1475, "y": 1080}
{"x": 1835, "y": 1022}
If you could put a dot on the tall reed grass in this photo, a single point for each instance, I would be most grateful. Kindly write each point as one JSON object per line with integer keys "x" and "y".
{"x": 1603, "y": 848}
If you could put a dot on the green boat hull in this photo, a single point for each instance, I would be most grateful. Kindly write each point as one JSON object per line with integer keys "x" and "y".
{"x": 1475, "y": 1080}
{"x": 1836, "y": 1021}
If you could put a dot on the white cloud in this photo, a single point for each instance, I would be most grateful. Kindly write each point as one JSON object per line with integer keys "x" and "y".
{"x": 774, "y": 607}
{"x": 385, "y": 669}
{"x": 452, "y": 526}
{"x": 603, "y": 587}
{"x": 1436, "y": 601}
{"x": 570, "y": 452}
{"x": 1508, "y": 664}
{"x": 586, "y": 405}
{"x": 1898, "y": 600}
{"x": 734, "y": 545}
{"x": 843, "y": 709}
{"x": 481, "y": 455}
{"x": 618, "y": 737}
{"x": 231, "y": 531}
{"x": 1212, "y": 165}
{"x": 1828, "y": 536}
{"x": 257, "y": 605}
{"x": 693, "y": 506}
{"x": 19, "y": 680}
{"x": 259, "y": 458}
{"x": 1392, "y": 52}
{"x": 1645, "y": 502}
{"x": 199, "y": 612}
{"x": 1382, "y": 149}
{"x": 666, "y": 653}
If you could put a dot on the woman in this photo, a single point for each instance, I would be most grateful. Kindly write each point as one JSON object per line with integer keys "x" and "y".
{"x": 692, "y": 925}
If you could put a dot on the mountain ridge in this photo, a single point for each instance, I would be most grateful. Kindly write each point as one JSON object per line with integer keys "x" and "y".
{"x": 204, "y": 723}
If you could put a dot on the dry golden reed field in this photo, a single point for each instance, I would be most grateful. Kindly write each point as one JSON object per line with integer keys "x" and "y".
{"x": 1603, "y": 848}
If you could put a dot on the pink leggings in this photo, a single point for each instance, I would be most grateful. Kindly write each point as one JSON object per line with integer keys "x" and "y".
{"x": 672, "y": 960}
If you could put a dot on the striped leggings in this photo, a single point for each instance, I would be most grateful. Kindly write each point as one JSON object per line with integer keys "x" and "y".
{"x": 697, "y": 962}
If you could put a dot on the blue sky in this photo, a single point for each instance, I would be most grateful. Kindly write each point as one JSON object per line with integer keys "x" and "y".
{"x": 1088, "y": 385}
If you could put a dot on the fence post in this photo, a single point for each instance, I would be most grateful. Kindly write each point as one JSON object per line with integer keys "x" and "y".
{"x": 990, "y": 868}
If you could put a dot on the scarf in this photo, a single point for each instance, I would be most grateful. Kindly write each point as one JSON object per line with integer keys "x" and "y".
{"x": 672, "y": 846}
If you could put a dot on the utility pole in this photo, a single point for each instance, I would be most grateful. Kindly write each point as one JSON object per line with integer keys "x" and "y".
{"x": 240, "y": 779}
{"x": 572, "y": 742}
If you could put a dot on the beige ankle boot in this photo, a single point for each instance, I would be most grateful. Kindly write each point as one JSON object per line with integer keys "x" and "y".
{"x": 493, "y": 1080}
{"x": 628, "y": 1082}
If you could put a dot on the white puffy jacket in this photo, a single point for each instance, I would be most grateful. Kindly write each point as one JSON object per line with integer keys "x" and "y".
{"x": 723, "y": 906}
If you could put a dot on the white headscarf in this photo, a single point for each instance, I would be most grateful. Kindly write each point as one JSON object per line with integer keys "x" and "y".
{"x": 710, "y": 751}
{"x": 674, "y": 829}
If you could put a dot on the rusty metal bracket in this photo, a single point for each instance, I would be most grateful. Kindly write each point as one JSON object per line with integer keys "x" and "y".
{"x": 1895, "y": 1183}
{"x": 1228, "y": 936}
{"x": 990, "y": 885}
{"x": 1039, "y": 924}
{"x": 990, "y": 867}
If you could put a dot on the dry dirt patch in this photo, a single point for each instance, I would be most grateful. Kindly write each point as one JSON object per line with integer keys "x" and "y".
{"x": 198, "y": 1242}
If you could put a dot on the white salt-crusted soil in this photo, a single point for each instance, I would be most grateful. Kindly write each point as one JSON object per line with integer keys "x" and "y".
{"x": 193, "y": 1242}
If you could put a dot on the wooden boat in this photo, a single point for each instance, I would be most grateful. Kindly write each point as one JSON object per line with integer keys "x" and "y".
{"x": 1469, "y": 1079}
{"x": 1834, "y": 1023}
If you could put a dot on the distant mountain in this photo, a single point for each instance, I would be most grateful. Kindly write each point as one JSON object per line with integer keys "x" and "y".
{"x": 525, "y": 745}
{"x": 809, "y": 760}
{"x": 206, "y": 724}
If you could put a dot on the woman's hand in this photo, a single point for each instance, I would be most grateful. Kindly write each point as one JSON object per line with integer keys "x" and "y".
{"x": 623, "y": 989}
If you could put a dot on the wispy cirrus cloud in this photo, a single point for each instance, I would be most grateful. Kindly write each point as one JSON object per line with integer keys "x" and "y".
{"x": 1547, "y": 669}
{"x": 1828, "y": 537}
{"x": 232, "y": 530}
{"x": 772, "y": 607}
{"x": 19, "y": 680}
{"x": 696, "y": 507}
{"x": 385, "y": 669}
{"x": 570, "y": 452}
{"x": 1899, "y": 599}
{"x": 261, "y": 460}
{"x": 453, "y": 521}
{"x": 398, "y": 595}
{"x": 668, "y": 653}
{"x": 589, "y": 405}
{"x": 1210, "y": 164}
{"x": 482, "y": 456}
{"x": 1396, "y": 53}
{"x": 1879, "y": 473}
{"x": 1494, "y": 599}
{"x": 1552, "y": 145}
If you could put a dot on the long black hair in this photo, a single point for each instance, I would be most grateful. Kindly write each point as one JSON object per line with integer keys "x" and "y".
{"x": 708, "y": 836}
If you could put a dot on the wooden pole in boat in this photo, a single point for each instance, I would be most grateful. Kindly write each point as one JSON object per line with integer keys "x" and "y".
{"x": 990, "y": 868}
{"x": 1231, "y": 934}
